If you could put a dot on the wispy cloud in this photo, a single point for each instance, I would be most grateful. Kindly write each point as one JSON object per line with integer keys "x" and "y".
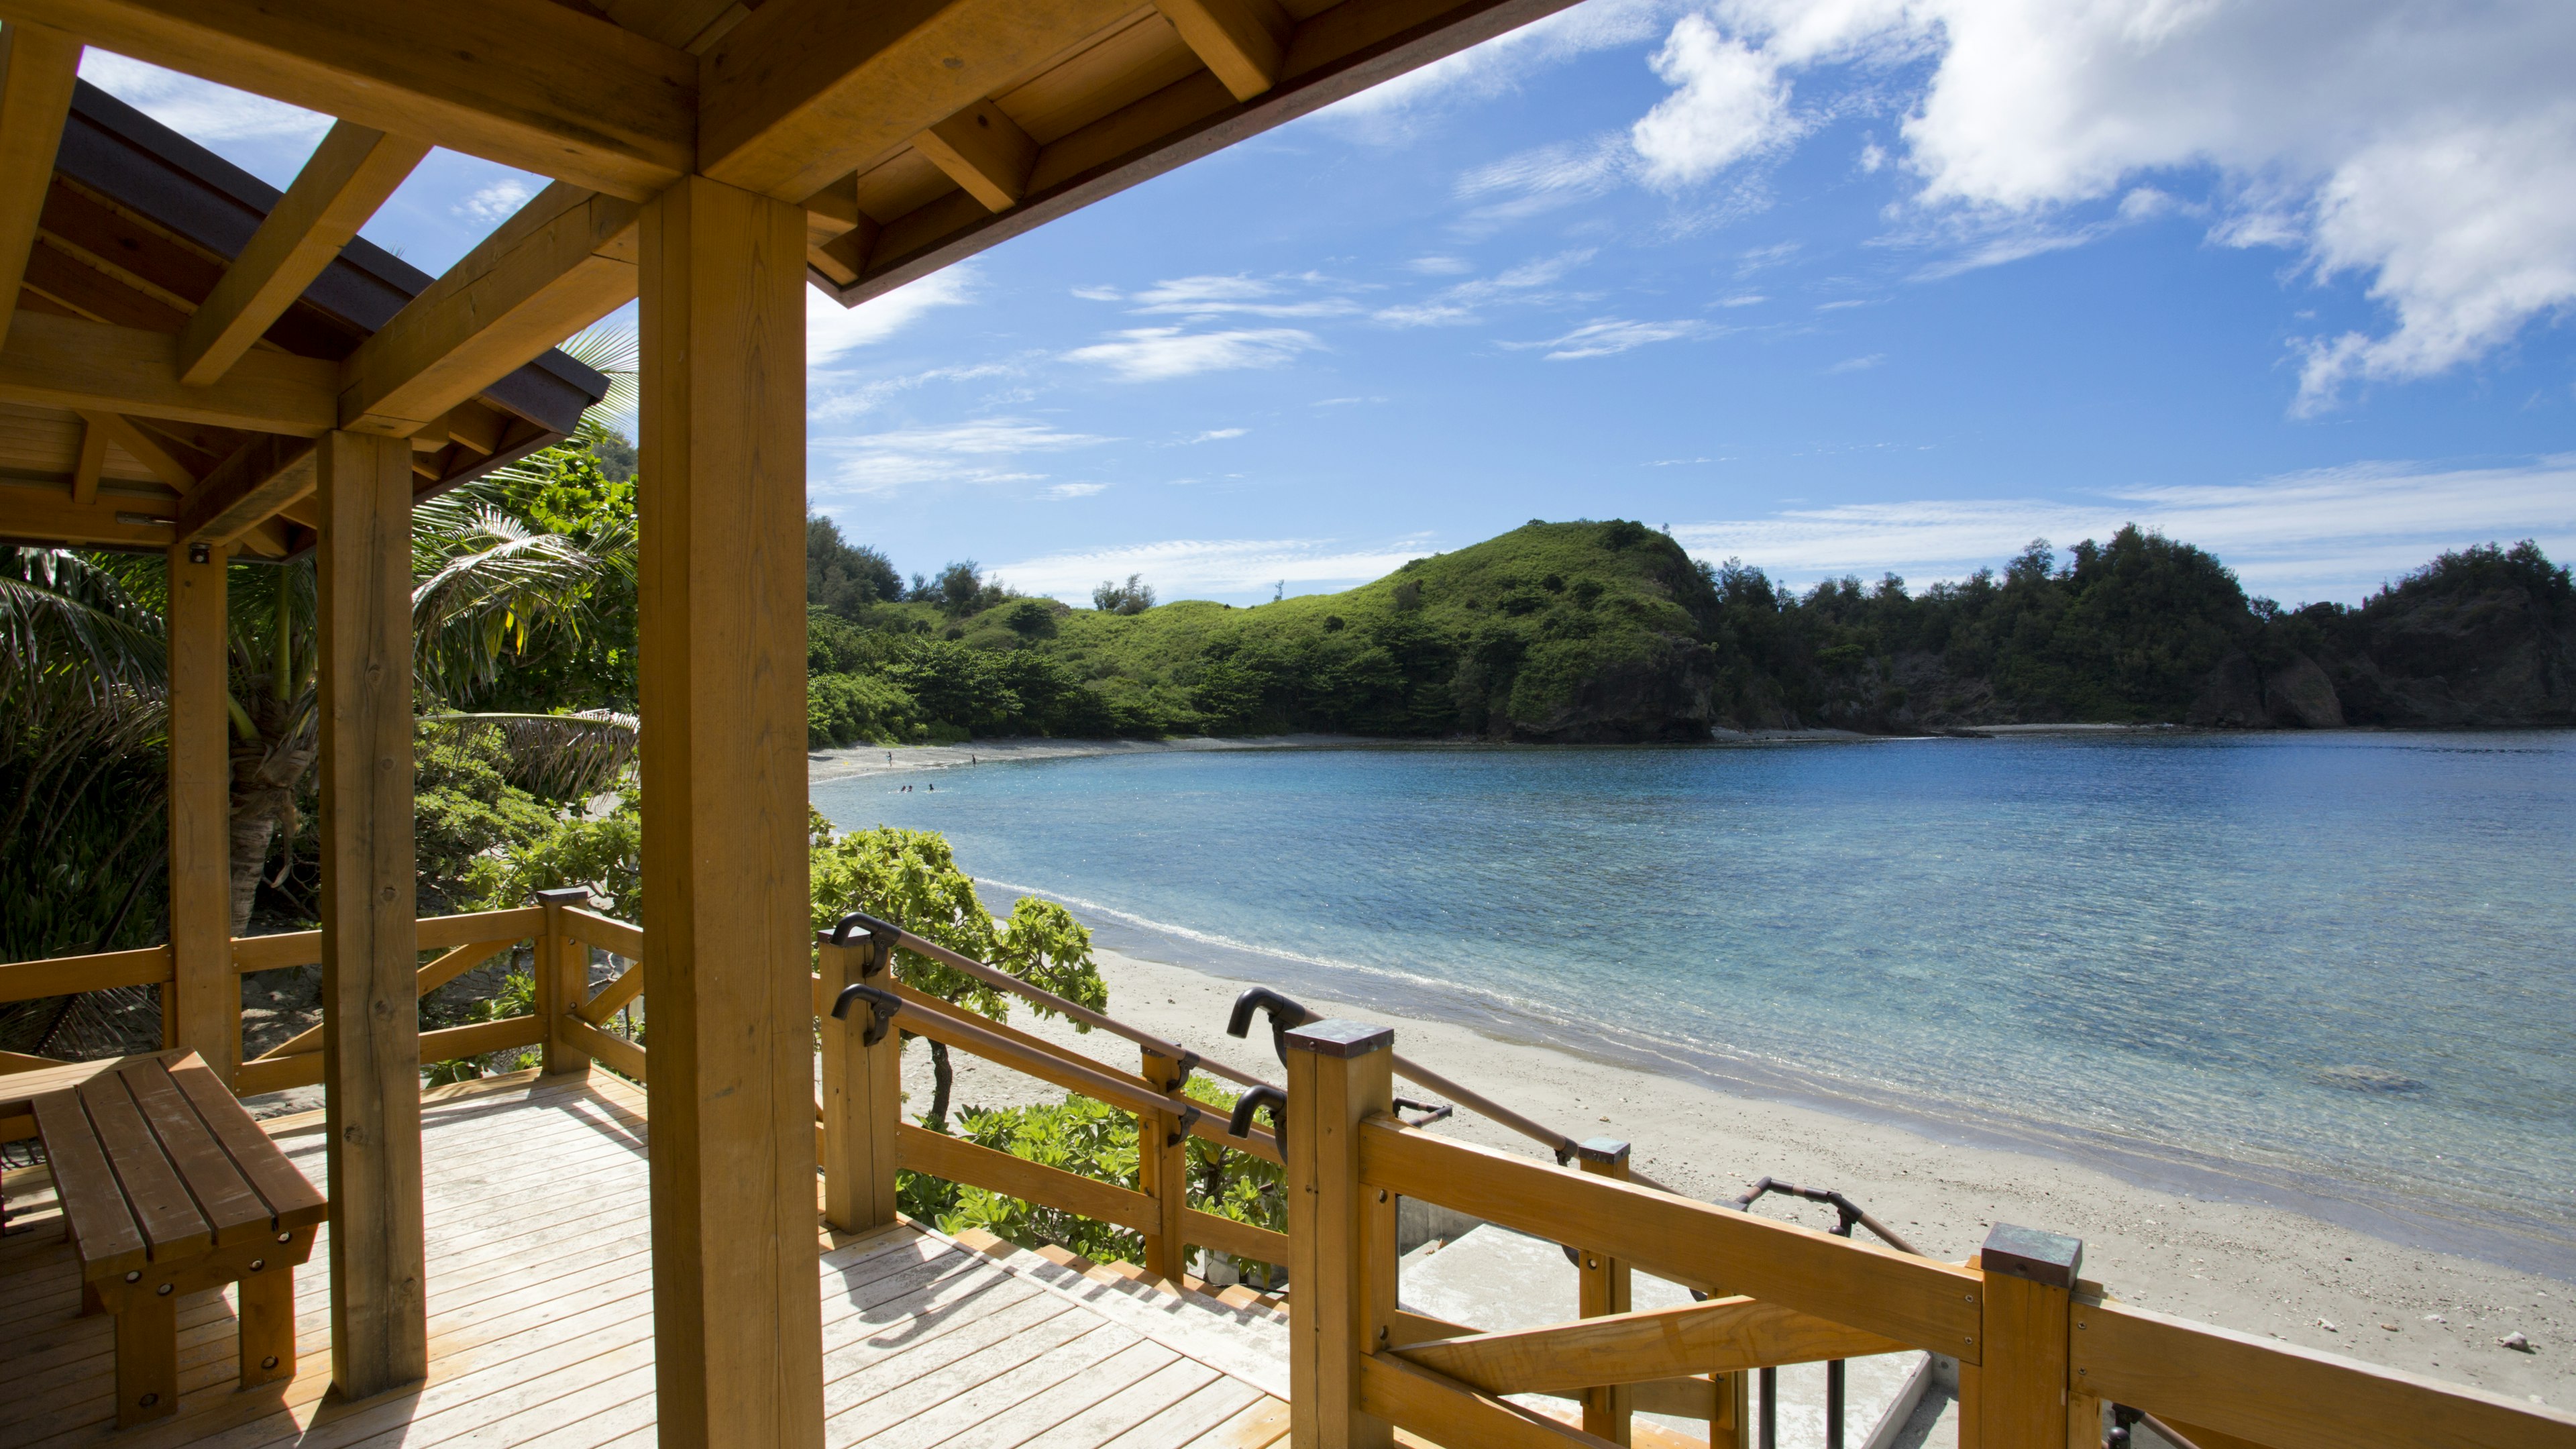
{"x": 2328, "y": 533}
{"x": 1857, "y": 364}
{"x": 1075, "y": 490}
{"x": 832, "y": 329}
{"x": 837, "y": 403}
{"x": 983, "y": 451}
{"x": 1154, "y": 354}
{"x": 1210, "y": 298}
{"x": 1608, "y": 335}
{"x": 199, "y": 110}
{"x": 1526, "y": 284}
{"x": 1212, "y": 435}
{"x": 1181, "y": 567}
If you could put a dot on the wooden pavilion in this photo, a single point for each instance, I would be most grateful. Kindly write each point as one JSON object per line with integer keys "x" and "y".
{"x": 194, "y": 363}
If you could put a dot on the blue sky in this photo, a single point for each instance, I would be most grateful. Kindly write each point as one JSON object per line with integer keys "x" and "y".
{"x": 1842, "y": 287}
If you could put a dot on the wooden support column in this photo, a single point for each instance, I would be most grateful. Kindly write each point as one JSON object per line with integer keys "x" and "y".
{"x": 721, "y": 601}
{"x": 370, "y": 956}
{"x": 1603, "y": 1290}
{"x": 562, "y": 972}
{"x": 1341, "y": 1237}
{"x": 2017, "y": 1397}
{"x": 208, "y": 1010}
{"x": 1163, "y": 1172}
{"x": 862, "y": 1093}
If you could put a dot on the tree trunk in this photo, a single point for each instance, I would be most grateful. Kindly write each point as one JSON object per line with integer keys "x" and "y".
{"x": 942, "y": 1078}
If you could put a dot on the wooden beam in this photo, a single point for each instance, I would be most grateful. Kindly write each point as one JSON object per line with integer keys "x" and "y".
{"x": 38, "y": 68}
{"x": 1244, "y": 41}
{"x": 268, "y": 473}
{"x": 984, "y": 152}
{"x": 200, "y": 806}
{"x": 76, "y": 365}
{"x": 805, "y": 91}
{"x": 1338, "y": 52}
{"x": 1917, "y": 1301}
{"x": 1719, "y": 1336}
{"x": 528, "y": 83}
{"x": 1443, "y": 1411}
{"x": 837, "y": 233}
{"x": 371, "y": 1031}
{"x": 1341, "y": 1234}
{"x": 93, "y": 457}
{"x": 721, "y": 608}
{"x": 2277, "y": 1394}
{"x": 349, "y": 175}
{"x": 143, "y": 448}
{"x": 564, "y": 261}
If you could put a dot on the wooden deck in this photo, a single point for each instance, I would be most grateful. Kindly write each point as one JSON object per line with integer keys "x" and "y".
{"x": 541, "y": 1320}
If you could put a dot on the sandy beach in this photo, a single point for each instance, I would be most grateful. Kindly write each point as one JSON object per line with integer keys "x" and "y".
{"x": 2246, "y": 1266}
{"x": 862, "y": 760}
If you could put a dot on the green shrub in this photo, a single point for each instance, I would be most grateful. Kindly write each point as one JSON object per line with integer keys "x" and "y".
{"x": 848, "y": 709}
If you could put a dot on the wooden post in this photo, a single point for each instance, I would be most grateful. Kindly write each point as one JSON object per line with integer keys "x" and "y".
{"x": 737, "y": 1312}
{"x": 862, "y": 1097}
{"x": 1729, "y": 1427}
{"x": 1341, "y": 1239}
{"x": 1163, "y": 1173}
{"x": 208, "y": 1011}
{"x": 370, "y": 1000}
{"x": 2017, "y": 1398}
{"x": 562, "y": 968}
{"x": 1604, "y": 1290}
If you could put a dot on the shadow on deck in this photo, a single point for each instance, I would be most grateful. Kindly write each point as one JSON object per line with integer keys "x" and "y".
{"x": 541, "y": 1319}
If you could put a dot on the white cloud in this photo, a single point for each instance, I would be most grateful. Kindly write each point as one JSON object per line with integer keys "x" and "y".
{"x": 1206, "y": 298}
{"x": 832, "y": 329}
{"x": 1610, "y": 335}
{"x": 1858, "y": 364}
{"x": 2427, "y": 145}
{"x": 2328, "y": 533}
{"x": 1385, "y": 111}
{"x": 1459, "y": 304}
{"x": 833, "y": 403}
{"x": 1543, "y": 179}
{"x": 1214, "y": 435}
{"x": 1181, "y": 567}
{"x": 1728, "y": 103}
{"x": 1075, "y": 490}
{"x": 1443, "y": 266}
{"x": 200, "y": 110}
{"x": 495, "y": 203}
{"x": 982, "y": 451}
{"x": 1152, "y": 354}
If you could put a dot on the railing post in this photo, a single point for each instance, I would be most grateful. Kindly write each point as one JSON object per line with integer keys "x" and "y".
{"x": 2017, "y": 1397}
{"x": 562, "y": 968}
{"x": 1603, "y": 1291}
{"x": 202, "y": 1005}
{"x": 1163, "y": 1173}
{"x": 1341, "y": 1240}
{"x": 862, "y": 1097}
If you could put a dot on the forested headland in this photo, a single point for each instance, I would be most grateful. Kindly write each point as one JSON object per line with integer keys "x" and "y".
{"x": 1609, "y": 631}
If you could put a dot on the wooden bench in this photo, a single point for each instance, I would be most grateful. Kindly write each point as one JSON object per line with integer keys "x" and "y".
{"x": 168, "y": 1188}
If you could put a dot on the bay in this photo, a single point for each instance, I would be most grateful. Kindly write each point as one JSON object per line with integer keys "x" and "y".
{"x": 2331, "y": 969}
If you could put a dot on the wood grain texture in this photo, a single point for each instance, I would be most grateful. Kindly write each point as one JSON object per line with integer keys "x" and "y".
{"x": 1243, "y": 41}
{"x": 862, "y": 1101}
{"x": 2016, "y": 1398}
{"x": 722, "y": 622}
{"x": 805, "y": 91}
{"x": 983, "y": 151}
{"x": 556, "y": 266}
{"x": 66, "y": 362}
{"x": 38, "y": 68}
{"x": 1445, "y": 1412}
{"x": 371, "y": 1037}
{"x": 606, "y": 932}
{"x": 63, "y": 975}
{"x": 2287, "y": 1397}
{"x": 252, "y": 485}
{"x": 1345, "y": 1275}
{"x": 1913, "y": 1300}
{"x": 347, "y": 177}
{"x": 1163, "y": 1172}
{"x": 1721, "y": 1335}
{"x": 200, "y": 811}
{"x": 919, "y": 1149}
{"x": 530, "y": 84}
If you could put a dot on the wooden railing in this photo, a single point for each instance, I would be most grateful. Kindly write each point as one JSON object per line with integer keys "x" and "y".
{"x": 2040, "y": 1351}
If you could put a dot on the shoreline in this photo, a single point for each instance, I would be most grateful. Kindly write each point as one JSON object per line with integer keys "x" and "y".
{"x": 2254, "y": 1266}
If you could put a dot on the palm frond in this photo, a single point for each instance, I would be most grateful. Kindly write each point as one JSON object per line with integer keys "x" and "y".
{"x": 615, "y": 351}
{"x": 490, "y": 588}
{"x": 68, "y": 626}
{"x": 563, "y": 756}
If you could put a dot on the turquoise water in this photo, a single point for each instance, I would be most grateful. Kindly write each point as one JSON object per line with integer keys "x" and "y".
{"x": 2328, "y": 969}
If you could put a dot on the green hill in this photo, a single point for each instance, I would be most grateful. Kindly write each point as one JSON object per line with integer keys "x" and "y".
{"x": 1609, "y": 632}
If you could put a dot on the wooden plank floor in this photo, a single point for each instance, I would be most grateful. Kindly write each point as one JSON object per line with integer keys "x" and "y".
{"x": 541, "y": 1321}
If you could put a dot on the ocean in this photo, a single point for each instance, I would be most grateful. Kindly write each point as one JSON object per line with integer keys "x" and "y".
{"x": 2335, "y": 971}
